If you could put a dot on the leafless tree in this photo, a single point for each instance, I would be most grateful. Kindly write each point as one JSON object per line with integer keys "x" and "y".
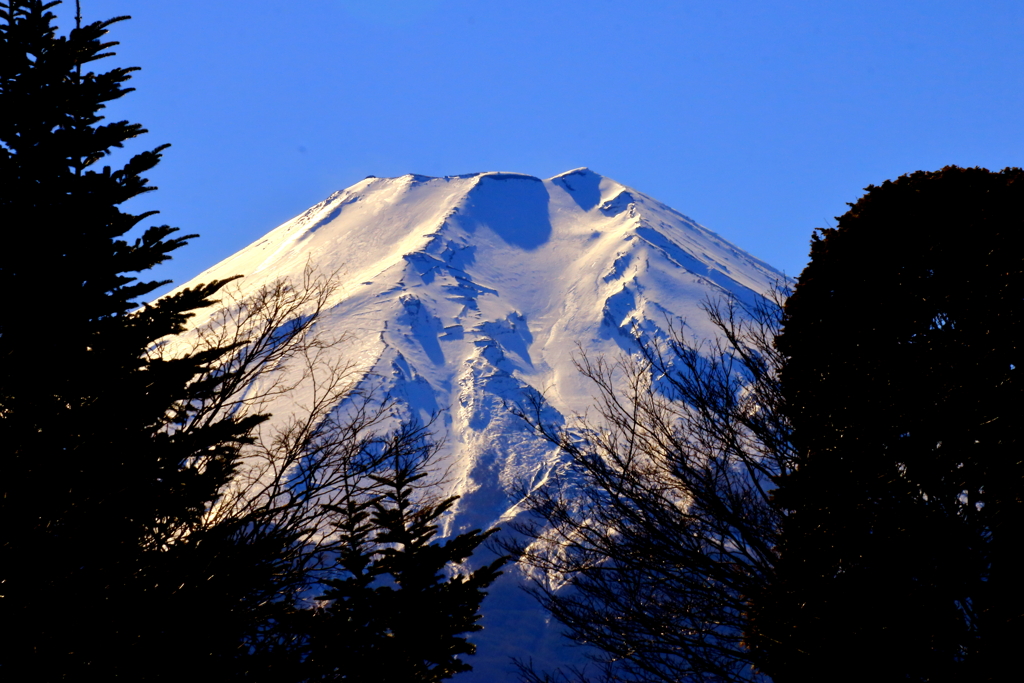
{"x": 646, "y": 544}
{"x": 290, "y": 476}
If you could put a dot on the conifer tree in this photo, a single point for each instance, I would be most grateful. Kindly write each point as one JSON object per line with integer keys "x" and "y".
{"x": 393, "y": 615}
{"x": 105, "y": 473}
{"x": 903, "y": 518}
{"x": 115, "y": 455}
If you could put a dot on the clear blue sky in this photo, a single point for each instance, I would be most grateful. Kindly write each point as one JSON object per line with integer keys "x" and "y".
{"x": 759, "y": 119}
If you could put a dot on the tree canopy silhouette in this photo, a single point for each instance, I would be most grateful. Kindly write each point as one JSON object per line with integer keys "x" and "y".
{"x": 901, "y": 348}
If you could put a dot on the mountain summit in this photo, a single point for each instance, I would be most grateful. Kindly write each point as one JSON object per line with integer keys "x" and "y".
{"x": 465, "y": 294}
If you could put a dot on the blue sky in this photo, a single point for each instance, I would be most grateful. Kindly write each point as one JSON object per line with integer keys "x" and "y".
{"x": 758, "y": 119}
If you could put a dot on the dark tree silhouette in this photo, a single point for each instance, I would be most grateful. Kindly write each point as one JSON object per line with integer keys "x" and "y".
{"x": 393, "y": 615}
{"x": 109, "y": 466}
{"x": 150, "y": 528}
{"x": 648, "y": 543}
{"x": 904, "y": 516}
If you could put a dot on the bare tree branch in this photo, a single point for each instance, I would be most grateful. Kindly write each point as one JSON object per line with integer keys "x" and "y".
{"x": 648, "y": 542}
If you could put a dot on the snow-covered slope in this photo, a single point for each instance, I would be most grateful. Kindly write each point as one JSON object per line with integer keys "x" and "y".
{"x": 464, "y": 294}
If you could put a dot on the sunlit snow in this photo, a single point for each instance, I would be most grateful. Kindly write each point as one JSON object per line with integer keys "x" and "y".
{"x": 465, "y": 294}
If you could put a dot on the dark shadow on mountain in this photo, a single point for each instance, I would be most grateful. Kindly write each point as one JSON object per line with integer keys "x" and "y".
{"x": 421, "y": 327}
{"x": 617, "y": 204}
{"x": 512, "y": 205}
{"x": 583, "y": 185}
{"x": 334, "y": 213}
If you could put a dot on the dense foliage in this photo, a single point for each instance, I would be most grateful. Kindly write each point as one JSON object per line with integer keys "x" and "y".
{"x": 901, "y": 345}
{"x": 105, "y": 474}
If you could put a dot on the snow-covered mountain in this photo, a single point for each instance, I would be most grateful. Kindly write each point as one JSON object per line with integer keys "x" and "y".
{"x": 464, "y": 294}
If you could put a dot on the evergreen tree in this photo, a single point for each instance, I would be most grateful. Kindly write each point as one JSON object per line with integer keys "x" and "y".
{"x": 124, "y": 552}
{"x": 901, "y": 348}
{"x": 393, "y": 615}
{"x": 106, "y": 473}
